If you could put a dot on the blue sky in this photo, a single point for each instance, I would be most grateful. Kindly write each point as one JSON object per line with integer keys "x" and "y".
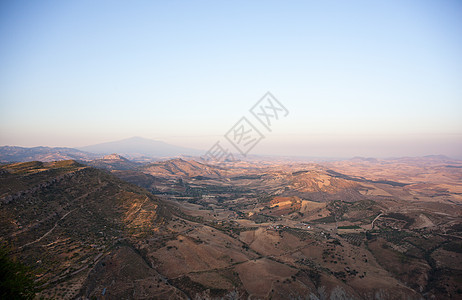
{"x": 370, "y": 78}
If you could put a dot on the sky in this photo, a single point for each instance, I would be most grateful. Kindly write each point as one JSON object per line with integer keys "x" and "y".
{"x": 359, "y": 78}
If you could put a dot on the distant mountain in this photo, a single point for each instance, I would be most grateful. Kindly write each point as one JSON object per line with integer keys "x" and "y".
{"x": 362, "y": 159}
{"x": 45, "y": 154}
{"x": 113, "y": 162}
{"x": 137, "y": 147}
{"x": 438, "y": 157}
{"x": 406, "y": 159}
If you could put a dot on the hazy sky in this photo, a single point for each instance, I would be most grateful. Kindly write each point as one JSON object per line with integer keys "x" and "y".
{"x": 370, "y": 78}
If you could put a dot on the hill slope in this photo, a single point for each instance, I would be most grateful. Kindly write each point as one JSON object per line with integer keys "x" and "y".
{"x": 182, "y": 168}
{"x": 113, "y": 162}
{"x": 63, "y": 218}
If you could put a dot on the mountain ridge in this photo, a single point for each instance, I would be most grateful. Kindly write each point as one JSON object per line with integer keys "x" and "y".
{"x": 42, "y": 153}
{"x": 136, "y": 147}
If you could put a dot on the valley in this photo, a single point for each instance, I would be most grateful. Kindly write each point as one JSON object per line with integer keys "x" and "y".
{"x": 184, "y": 228}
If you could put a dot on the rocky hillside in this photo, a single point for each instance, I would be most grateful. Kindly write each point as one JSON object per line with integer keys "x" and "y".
{"x": 113, "y": 162}
{"x": 62, "y": 218}
{"x": 183, "y": 168}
